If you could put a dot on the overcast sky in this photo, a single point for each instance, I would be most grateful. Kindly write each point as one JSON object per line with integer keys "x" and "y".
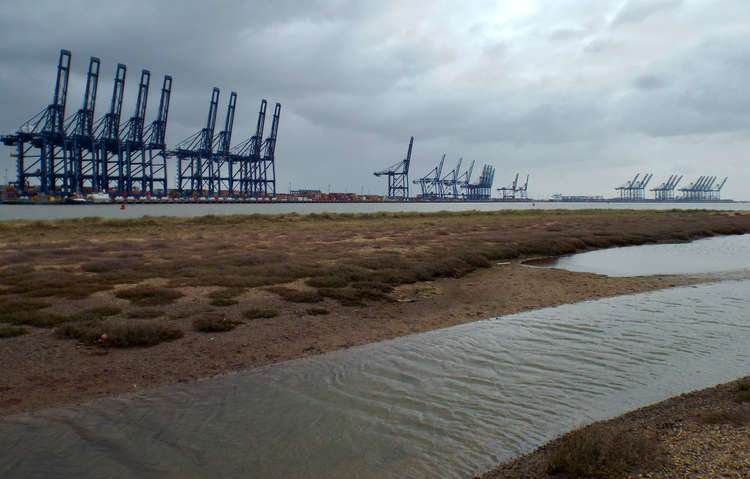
{"x": 580, "y": 94}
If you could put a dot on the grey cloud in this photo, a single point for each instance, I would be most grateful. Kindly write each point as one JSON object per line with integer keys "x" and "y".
{"x": 636, "y": 11}
{"x": 708, "y": 93}
{"x": 552, "y": 86}
{"x": 649, "y": 82}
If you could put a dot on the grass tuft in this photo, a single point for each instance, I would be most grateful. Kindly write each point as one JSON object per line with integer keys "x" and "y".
{"x": 295, "y": 295}
{"x": 119, "y": 333}
{"x": 257, "y": 313}
{"x": 12, "y": 331}
{"x": 149, "y": 295}
{"x": 213, "y": 324}
{"x": 99, "y": 313}
{"x": 353, "y": 296}
{"x": 600, "y": 450}
{"x": 225, "y": 296}
{"x": 317, "y": 311}
{"x": 738, "y": 417}
{"x": 145, "y": 313}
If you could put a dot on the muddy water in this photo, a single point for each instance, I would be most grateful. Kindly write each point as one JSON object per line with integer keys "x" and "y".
{"x": 448, "y": 403}
{"x": 39, "y": 212}
{"x": 711, "y": 255}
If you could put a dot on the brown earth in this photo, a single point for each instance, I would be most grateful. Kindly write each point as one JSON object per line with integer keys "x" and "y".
{"x": 367, "y": 277}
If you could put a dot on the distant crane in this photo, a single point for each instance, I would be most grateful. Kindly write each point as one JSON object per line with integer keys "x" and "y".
{"x": 450, "y": 181}
{"x": 482, "y": 189}
{"x": 514, "y": 191}
{"x": 634, "y": 190}
{"x": 222, "y": 161}
{"x": 665, "y": 191}
{"x": 111, "y": 174}
{"x": 247, "y": 155}
{"x": 398, "y": 176}
{"x": 430, "y": 183}
{"x": 134, "y": 155}
{"x": 156, "y": 145}
{"x": 265, "y": 175}
{"x": 194, "y": 156}
{"x": 81, "y": 140}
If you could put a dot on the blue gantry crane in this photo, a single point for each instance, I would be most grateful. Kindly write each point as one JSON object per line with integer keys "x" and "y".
{"x": 59, "y": 156}
{"x": 222, "y": 161}
{"x": 451, "y": 180}
{"x": 133, "y": 154}
{"x": 194, "y": 156}
{"x": 156, "y": 145}
{"x": 82, "y": 149}
{"x": 246, "y": 158}
{"x": 41, "y": 153}
{"x": 430, "y": 183}
{"x": 398, "y": 176}
{"x": 264, "y": 176}
{"x": 665, "y": 191}
{"x": 483, "y": 188}
{"x": 111, "y": 171}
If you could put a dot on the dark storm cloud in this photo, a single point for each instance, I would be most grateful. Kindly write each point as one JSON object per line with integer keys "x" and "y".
{"x": 530, "y": 84}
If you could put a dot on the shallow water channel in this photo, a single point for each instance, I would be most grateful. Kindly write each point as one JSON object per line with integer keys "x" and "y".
{"x": 447, "y": 403}
{"x": 710, "y": 255}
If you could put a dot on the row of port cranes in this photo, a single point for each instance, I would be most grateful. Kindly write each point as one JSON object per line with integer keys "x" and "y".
{"x": 208, "y": 166}
{"x": 515, "y": 191}
{"x": 451, "y": 186}
{"x": 635, "y": 189}
{"x": 454, "y": 185}
{"x": 63, "y": 156}
{"x": 705, "y": 188}
{"x": 59, "y": 155}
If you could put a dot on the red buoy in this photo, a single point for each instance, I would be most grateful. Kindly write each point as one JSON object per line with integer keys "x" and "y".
{"x": 122, "y": 206}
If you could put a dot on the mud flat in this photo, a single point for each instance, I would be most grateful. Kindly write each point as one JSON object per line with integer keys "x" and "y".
{"x": 95, "y": 307}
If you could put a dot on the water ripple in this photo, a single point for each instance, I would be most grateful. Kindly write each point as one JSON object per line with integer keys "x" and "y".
{"x": 448, "y": 403}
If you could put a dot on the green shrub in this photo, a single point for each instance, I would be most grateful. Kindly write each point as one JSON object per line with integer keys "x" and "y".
{"x": 317, "y": 311}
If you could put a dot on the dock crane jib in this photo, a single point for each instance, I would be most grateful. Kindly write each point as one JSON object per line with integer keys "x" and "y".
{"x": 398, "y": 175}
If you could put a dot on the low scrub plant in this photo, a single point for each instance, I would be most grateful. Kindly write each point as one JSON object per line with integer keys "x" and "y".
{"x": 737, "y": 416}
{"x": 258, "y": 313}
{"x": 145, "y": 313}
{"x": 225, "y": 296}
{"x": 119, "y": 333}
{"x": 12, "y": 331}
{"x": 317, "y": 311}
{"x": 99, "y": 312}
{"x": 213, "y": 324}
{"x": 601, "y": 450}
{"x": 149, "y": 295}
{"x": 296, "y": 295}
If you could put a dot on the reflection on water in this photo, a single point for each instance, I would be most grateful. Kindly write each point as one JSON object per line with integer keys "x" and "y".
{"x": 710, "y": 255}
{"x": 39, "y": 212}
{"x": 448, "y": 403}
